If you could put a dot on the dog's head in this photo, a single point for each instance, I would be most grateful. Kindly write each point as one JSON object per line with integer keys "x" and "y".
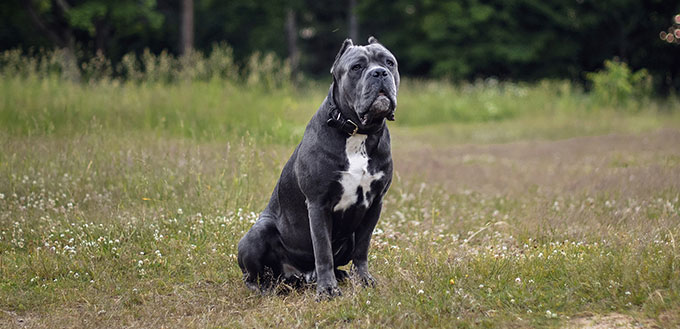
{"x": 366, "y": 81}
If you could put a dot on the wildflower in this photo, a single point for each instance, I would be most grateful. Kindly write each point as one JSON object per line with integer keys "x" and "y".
{"x": 421, "y": 291}
{"x": 481, "y": 286}
{"x": 179, "y": 211}
{"x": 146, "y": 199}
{"x": 452, "y": 281}
{"x": 368, "y": 302}
{"x": 518, "y": 280}
{"x": 628, "y": 293}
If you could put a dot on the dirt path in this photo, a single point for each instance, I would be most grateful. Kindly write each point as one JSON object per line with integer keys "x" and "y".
{"x": 620, "y": 163}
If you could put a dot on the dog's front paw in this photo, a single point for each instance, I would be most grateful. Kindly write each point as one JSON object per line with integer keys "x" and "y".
{"x": 367, "y": 280}
{"x": 327, "y": 291}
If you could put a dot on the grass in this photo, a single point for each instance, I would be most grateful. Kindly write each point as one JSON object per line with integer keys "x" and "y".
{"x": 513, "y": 205}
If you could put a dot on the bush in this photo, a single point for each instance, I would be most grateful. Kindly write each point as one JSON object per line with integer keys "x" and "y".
{"x": 618, "y": 86}
{"x": 263, "y": 70}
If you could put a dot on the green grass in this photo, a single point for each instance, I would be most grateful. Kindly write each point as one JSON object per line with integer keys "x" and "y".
{"x": 121, "y": 204}
{"x": 221, "y": 109}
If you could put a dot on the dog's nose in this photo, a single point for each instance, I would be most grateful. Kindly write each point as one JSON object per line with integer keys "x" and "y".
{"x": 379, "y": 72}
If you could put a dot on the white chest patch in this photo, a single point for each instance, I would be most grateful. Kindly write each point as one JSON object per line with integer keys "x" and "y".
{"x": 357, "y": 174}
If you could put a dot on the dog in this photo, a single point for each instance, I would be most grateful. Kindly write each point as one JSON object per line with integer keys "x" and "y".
{"x": 328, "y": 198}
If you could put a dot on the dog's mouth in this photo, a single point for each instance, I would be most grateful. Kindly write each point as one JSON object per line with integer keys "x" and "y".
{"x": 381, "y": 107}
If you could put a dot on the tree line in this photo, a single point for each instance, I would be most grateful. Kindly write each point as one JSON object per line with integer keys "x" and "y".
{"x": 457, "y": 40}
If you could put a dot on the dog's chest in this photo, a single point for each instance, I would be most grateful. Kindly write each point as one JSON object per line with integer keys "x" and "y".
{"x": 356, "y": 180}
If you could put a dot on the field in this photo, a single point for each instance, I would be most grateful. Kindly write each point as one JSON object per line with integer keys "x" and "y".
{"x": 513, "y": 205}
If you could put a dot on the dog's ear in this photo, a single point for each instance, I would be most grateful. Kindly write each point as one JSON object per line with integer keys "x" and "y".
{"x": 345, "y": 45}
{"x": 372, "y": 40}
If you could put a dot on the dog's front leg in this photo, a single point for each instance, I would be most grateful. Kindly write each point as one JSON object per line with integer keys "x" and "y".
{"x": 363, "y": 241}
{"x": 320, "y": 224}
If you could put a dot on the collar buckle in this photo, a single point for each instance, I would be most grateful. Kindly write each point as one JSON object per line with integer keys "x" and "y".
{"x": 356, "y": 127}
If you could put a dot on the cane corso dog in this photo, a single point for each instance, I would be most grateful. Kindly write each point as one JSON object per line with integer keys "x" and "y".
{"x": 328, "y": 199}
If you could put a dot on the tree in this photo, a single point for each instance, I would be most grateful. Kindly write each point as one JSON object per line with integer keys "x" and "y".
{"x": 66, "y": 23}
{"x": 353, "y": 20}
{"x": 291, "y": 36}
{"x": 186, "y": 42}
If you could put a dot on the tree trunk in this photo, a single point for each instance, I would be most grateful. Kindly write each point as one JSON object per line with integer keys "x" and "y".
{"x": 353, "y": 23}
{"x": 186, "y": 40}
{"x": 102, "y": 31}
{"x": 291, "y": 34}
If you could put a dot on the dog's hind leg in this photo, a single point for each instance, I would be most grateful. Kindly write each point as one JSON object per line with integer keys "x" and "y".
{"x": 257, "y": 257}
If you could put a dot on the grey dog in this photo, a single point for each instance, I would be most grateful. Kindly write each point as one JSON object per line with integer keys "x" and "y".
{"x": 328, "y": 199}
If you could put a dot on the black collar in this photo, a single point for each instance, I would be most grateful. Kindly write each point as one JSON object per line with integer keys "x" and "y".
{"x": 338, "y": 121}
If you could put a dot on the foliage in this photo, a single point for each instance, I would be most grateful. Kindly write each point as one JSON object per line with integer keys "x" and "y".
{"x": 617, "y": 85}
{"x": 465, "y": 39}
{"x": 209, "y": 96}
{"x": 264, "y": 71}
{"x": 459, "y": 40}
{"x": 522, "y": 39}
{"x": 129, "y": 16}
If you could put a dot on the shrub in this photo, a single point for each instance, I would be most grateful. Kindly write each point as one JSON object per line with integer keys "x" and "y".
{"x": 618, "y": 86}
{"x": 267, "y": 70}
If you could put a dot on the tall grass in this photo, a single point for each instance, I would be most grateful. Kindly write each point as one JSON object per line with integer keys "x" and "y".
{"x": 210, "y": 96}
{"x": 202, "y": 110}
{"x": 261, "y": 70}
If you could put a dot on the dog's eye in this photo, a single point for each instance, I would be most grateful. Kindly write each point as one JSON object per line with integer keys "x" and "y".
{"x": 389, "y": 62}
{"x": 356, "y": 67}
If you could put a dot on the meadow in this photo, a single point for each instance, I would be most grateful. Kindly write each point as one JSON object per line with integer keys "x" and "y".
{"x": 513, "y": 205}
